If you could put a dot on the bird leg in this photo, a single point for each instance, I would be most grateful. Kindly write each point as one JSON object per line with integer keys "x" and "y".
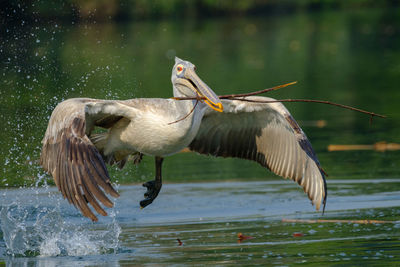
{"x": 153, "y": 187}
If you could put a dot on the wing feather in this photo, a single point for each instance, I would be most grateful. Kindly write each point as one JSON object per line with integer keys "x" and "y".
{"x": 267, "y": 134}
{"x": 74, "y": 162}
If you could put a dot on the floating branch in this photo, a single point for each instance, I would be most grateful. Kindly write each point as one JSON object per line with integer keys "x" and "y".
{"x": 379, "y": 146}
{"x": 242, "y": 237}
{"x": 336, "y": 221}
{"x": 316, "y": 123}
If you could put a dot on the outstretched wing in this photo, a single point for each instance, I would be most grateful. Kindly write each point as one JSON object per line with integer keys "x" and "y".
{"x": 267, "y": 134}
{"x": 71, "y": 158}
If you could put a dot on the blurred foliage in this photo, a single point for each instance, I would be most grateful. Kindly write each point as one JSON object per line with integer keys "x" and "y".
{"x": 346, "y": 56}
{"x": 104, "y": 10}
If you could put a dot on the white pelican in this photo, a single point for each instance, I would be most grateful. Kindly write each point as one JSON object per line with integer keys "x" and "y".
{"x": 263, "y": 132}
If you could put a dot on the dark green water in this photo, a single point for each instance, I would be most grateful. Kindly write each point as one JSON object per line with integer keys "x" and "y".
{"x": 350, "y": 57}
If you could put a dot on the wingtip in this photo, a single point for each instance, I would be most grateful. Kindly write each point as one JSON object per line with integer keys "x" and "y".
{"x": 114, "y": 193}
{"x": 324, "y": 203}
{"x": 326, "y": 194}
{"x": 318, "y": 205}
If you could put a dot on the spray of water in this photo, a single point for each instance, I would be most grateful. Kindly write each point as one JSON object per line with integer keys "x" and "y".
{"x": 35, "y": 78}
{"x": 37, "y": 229}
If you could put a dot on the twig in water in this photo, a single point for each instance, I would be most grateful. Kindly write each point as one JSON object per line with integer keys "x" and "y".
{"x": 336, "y": 221}
{"x": 379, "y": 146}
{"x": 242, "y": 237}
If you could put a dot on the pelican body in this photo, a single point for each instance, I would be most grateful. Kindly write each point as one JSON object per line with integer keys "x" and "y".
{"x": 76, "y": 157}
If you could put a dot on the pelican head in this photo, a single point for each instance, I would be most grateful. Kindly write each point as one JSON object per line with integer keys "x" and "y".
{"x": 186, "y": 83}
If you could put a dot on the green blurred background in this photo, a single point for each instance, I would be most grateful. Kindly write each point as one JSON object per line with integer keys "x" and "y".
{"x": 343, "y": 51}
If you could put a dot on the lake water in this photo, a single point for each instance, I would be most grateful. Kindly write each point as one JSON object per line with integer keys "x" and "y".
{"x": 44, "y": 230}
{"x": 350, "y": 57}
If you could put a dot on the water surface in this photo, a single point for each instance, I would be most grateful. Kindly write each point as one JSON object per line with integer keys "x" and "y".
{"x": 206, "y": 218}
{"x": 351, "y": 57}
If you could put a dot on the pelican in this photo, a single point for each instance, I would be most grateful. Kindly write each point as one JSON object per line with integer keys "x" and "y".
{"x": 76, "y": 155}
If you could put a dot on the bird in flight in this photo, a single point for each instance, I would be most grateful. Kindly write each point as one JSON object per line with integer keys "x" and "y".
{"x": 76, "y": 155}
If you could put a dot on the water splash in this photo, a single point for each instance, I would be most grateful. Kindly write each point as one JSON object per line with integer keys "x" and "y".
{"x": 37, "y": 230}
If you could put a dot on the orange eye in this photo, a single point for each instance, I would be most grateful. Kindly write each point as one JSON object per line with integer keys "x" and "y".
{"x": 179, "y": 68}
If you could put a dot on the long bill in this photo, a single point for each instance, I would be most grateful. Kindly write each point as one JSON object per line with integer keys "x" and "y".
{"x": 203, "y": 90}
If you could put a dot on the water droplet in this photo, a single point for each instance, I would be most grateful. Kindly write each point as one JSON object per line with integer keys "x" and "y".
{"x": 311, "y": 232}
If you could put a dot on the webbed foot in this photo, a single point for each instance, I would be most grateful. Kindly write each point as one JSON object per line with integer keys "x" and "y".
{"x": 153, "y": 188}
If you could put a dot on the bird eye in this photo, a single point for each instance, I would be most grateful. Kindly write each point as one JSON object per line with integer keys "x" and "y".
{"x": 179, "y": 69}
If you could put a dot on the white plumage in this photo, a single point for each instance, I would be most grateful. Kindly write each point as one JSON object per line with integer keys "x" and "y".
{"x": 263, "y": 132}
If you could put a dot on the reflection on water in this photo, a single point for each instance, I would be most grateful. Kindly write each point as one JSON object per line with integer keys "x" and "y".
{"x": 206, "y": 218}
{"x": 350, "y": 57}
{"x": 342, "y": 56}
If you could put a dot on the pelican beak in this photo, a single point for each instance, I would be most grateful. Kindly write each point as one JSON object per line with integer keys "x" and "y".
{"x": 203, "y": 90}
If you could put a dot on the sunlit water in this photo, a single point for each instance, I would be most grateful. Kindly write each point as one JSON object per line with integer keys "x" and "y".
{"x": 348, "y": 56}
{"x": 39, "y": 227}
